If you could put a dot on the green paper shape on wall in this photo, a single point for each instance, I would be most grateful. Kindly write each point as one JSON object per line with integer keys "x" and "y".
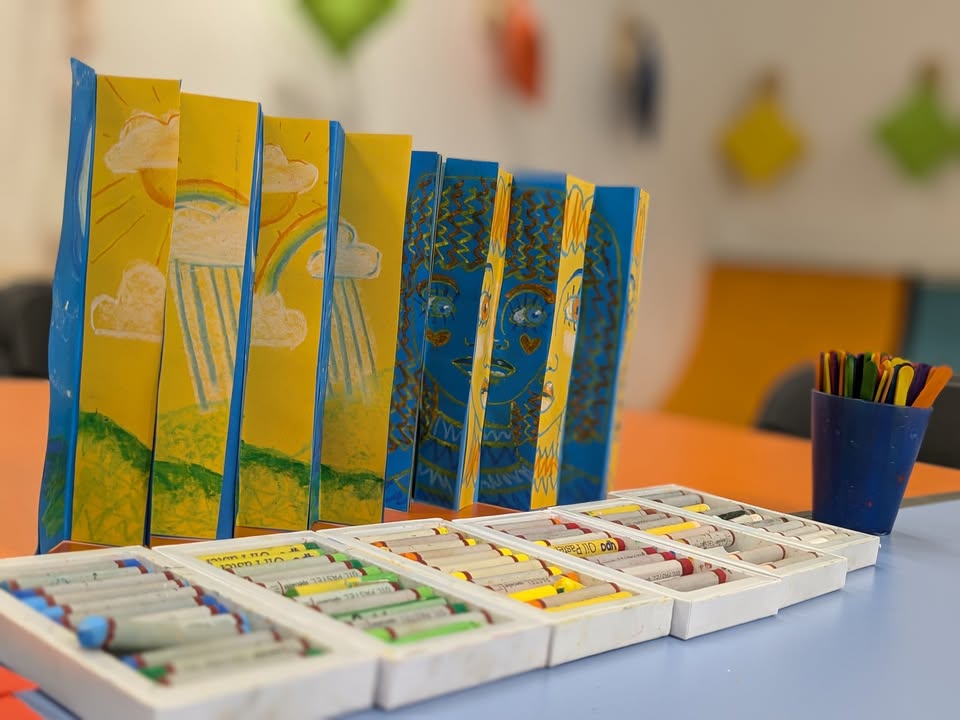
{"x": 343, "y": 22}
{"x": 919, "y": 134}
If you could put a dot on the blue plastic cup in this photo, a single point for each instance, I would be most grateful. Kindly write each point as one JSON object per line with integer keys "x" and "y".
{"x": 863, "y": 454}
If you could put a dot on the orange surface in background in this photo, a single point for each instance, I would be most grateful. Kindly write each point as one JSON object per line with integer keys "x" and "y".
{"x": 766, "y": 469}
{"x": 759, "y": 323}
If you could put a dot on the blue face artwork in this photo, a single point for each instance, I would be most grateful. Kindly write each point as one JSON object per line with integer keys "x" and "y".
{"x": 523, "y": 334}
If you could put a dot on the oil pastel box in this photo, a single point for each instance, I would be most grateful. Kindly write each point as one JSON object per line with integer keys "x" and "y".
{"x": 747, "y": 595}
{"x": 859, "y": 549}
{"x": 574, "y": 633}
{"x": 407, "y": 672}
{"x": 806, "y": 572}
{"x": 96, "y": 684}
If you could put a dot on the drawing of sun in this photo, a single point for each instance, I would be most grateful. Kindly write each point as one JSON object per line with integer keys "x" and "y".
{"x": 148, "y": 147}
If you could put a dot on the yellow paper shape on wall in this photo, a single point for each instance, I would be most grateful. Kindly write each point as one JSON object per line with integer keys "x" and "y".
{"x": 131, "y": 212}
{"x": 762, "y": 144}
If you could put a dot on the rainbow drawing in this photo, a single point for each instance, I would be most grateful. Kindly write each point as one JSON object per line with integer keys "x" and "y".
{"x": 279, "y": 255}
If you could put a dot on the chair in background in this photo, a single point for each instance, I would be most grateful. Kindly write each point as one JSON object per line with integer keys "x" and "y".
{"x": 786, "y": 410}
{"x": 24, "y": 329}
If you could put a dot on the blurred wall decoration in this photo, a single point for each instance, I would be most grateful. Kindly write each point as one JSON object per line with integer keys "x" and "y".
{"x": 762, "y": 143}
{"x": 637, "y": 66}
{"x": 919, "y": 134}
{"x": 343, "y": 22}
{"x": 515, "y": 30}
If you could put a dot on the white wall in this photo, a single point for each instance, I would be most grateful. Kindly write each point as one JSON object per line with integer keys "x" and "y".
{"x": 429, "y": 70}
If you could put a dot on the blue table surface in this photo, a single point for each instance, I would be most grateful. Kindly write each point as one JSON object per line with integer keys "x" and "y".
{"x": 879, "y": 648}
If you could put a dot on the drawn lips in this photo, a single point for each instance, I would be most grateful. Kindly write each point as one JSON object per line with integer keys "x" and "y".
{"x": 500, "y": 368}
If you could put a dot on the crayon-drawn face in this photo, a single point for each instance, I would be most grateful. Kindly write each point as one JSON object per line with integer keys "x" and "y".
{"x": 524, "y": 329}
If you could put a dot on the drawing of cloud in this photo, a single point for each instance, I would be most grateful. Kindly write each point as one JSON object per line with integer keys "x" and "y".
{"x": 281, "y": 175}
{"x": 355, "y": 260}
{"x": 205, "y": 233}
{"x": 274, "y": 325}
{"x": 146, "y": 142}
{"x": 136, "y": 313}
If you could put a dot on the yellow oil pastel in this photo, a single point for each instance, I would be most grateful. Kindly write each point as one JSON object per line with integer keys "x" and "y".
{"x": 576, "y": 220}
{"x": 278, "y": 425}
{"x": 486, "y": 326}
{"x": 131, "y": 213}
{"x": 203, "y": 314}
{"x": 363, "y": 330}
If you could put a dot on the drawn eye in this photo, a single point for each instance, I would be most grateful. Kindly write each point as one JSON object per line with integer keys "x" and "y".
{"x": 441, "y": 304}
{"x": 527, "y": 310}
{"x": 571, "y": 310}
{"x": 484, "y": 307}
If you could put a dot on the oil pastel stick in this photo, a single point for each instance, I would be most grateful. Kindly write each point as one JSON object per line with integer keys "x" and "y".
{"x": 527, "y": 525}
{"x": 471, "y": 551}
{"x": 696, "y": 581}
{"x": 519, "y": 585}
{"x": 289, "y": 565}
{"x": 428, "y": 540}
{"x": 717, "y": 538}
{"x": 821, "y": 536}
{"x": 170, "y": 654}
{"x": 341, "y": 607}
{"x": 15, "y": 582}
{"x": 230, "y": 657}
{"x": 600, "y": 512}
{"x": 625, "y": 554}
{"x": 697, "y": 508}
{"x": 126, "y": 635}
{"x": 131, "y": 583}
{"x": 791, "y": 560}
{"x": 412, "y": 614}
{"x": 679, "y": 534}
{"x": 455, "y": 626}
{"x": 454, "y": 543}
{"x": 280, "y": 571}
{"x": 187, "y": 613}
{"x": 66, "y": 578}
{"x": 409, "y": 534}
{"x": 268, "y": 561}
{"x": 622, "y": 595}
{"x": 587, "y": 593}
{"x": 518, "y": 567}
{"x": 655, "y": 572}
{"x": 744, "y": 519}
{"x": 391, "y": 610}
{"x": 804, "y": 531}
{"x": 508, "y": 578}
{"x": 641, "y": 560}
{"x": 534, "y": 593}
{"x": 678, "y": 499}
{"x": 586, "y": 548}
{"x": 650, "y": 524}
{"x": 429, "y": 628}
{"x": 464, "y": 565}
{"x": 559, "y": 532}
{"x": 565, "y": 583}
{"x": 667, "y": 529}
{"x": 769, "y": 523}
{"x": 764, "y": 554}
{"x": 593, "y": 535}
{"x": 328, "y": 585}
{"x": 639, "y": 518}
{"x": 838, "y": 539}
{"x": 783, "y": 527}
{"x": 727, "y": 512}
{"x": 358, "y": 591}
{"x": 283, "y": 584}
{"x": 264, "y": 552}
